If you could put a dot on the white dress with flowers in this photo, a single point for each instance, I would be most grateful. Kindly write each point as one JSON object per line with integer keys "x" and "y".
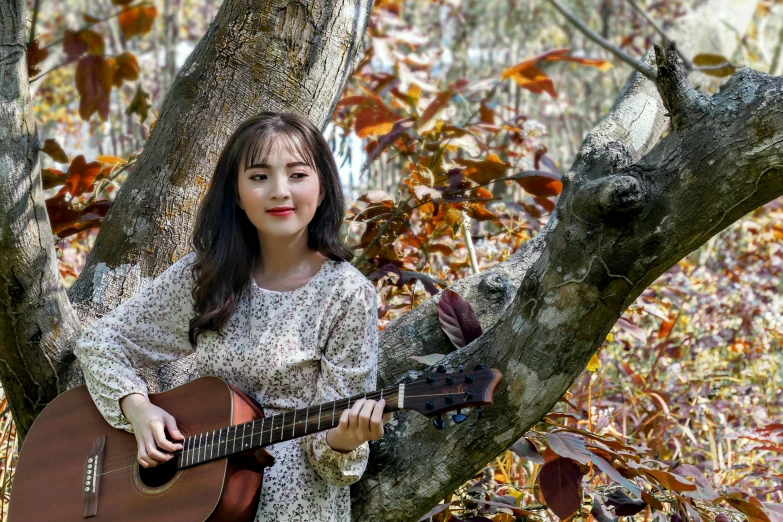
{"x": 288, "y": 350}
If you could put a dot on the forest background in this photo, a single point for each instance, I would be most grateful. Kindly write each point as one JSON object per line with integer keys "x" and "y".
{"x": 689, "y": 378}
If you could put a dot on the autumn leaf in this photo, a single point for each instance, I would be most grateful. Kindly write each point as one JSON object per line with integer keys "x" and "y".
{"x": 55, "y": 151}
{"x": 125, "y": 67}
{"x": 372, "y": 121}
{"x": 483, "y": 171}
{"x": 140, "y": 105}
{"x": 457, "y": 319}
{"x": 707, "y": 60}
{"x": 539, "y": 183}
{"x": 137, "y": 20}
{"x": 35, "y": 55}
{"x": 80, "y": 176}
{"x": 561, "y": 483}
{"x": 534, "y": 80}
{"x": 435, "y": 108}
{"x": 594, "y": 363}
{"x": 93, "y": 82}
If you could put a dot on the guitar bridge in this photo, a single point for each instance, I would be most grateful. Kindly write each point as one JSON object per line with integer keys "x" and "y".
{"x": 93, "y": 466}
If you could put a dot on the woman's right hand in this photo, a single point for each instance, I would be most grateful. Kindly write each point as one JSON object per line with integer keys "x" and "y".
{"x": 148, "y": 423}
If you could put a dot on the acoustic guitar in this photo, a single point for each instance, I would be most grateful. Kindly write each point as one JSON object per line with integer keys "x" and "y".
{"x": 74, "y": 465}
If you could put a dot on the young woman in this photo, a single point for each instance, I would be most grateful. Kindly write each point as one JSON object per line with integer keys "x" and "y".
{"x": 268, "y": 301}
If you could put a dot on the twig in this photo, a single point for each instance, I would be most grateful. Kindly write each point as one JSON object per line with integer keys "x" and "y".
{"x": 642, "y": 67}
{"x": 465, "y": 225}
{"x": 659, "y": 29}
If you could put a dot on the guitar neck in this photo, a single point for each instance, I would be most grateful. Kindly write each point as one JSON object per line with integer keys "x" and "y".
{"x": 211, "y": 445}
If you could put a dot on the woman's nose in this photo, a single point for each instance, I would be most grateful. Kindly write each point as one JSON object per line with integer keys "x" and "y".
{"x": 280, "y": 187}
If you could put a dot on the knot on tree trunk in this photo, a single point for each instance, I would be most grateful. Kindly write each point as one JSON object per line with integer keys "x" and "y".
{"x": 610, "y": 198}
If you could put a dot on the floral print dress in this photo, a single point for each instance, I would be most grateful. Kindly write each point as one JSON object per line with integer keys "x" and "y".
{"x": 288, "y": 350}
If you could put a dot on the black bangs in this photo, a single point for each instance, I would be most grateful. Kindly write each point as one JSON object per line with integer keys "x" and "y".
{"x": 259, "y": 144}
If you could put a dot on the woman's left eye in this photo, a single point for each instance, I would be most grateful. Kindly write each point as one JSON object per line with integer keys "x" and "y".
{"x": 302, "y": 173}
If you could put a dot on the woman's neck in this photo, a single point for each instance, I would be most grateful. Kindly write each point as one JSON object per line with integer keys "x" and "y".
{"x": 282, "y": 267}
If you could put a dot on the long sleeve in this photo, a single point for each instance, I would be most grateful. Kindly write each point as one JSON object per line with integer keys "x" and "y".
{"x": 349, "y": 366}
{"x": 147, "y": 329}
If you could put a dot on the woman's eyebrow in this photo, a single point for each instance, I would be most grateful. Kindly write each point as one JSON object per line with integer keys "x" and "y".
{"x": 267, "y": 166}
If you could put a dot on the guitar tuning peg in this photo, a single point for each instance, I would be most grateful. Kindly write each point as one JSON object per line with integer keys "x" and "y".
{"x": 458, "y": 417}
{"x": 460, "y": 369}
{"x": 479, "y": 367}
{"x": 439, "y": 423}
{"x": 441, "y": 369}
{"x": 478, "y": 412}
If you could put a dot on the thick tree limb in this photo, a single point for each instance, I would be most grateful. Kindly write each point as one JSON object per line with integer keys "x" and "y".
{"x": 619, "y": 224}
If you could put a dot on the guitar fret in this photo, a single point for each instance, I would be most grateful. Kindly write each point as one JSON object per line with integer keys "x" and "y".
{"x": 212, "y": 444}
{"x": 307, "y": 416}
{"x": 252, "y": 425}
{"x": 281, "y": 427}
{"x": 333, "y": 405}
{"x": 225, "y": 446}
{"x": 293, "y": 425}
{"x": 244, "y": 427}
{"x": 319, "y": 417}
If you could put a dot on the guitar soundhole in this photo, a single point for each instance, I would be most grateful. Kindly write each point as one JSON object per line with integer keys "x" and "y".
{"x": 159, "y": 475}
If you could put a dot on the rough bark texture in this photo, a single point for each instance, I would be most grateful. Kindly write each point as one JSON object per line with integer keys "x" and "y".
{"x": 37, "y": 324}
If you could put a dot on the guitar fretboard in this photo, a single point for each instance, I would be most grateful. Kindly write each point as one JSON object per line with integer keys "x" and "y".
{"x": 223, "y": 442}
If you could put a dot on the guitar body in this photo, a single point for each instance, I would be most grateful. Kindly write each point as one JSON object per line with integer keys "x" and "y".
{"x": 53, "y": 471}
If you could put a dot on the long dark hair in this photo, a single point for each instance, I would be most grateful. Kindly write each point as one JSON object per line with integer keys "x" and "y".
{"x": 226, "y": 242}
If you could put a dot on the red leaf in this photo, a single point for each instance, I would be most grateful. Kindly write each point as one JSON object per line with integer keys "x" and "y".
{"x": 457, "y": 319}
{"x": 93, "y": 82}
{"x": 560, "y": 483}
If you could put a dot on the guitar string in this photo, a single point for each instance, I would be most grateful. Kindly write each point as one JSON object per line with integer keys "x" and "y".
{"x": 392, "y": 392}
{"x": 291, "y": 426}
{"x": 211, "y": 445}
{"x": 200, "y": 445}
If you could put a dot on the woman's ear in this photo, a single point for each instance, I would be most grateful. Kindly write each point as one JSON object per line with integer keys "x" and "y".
{"x": 321, "y": 196}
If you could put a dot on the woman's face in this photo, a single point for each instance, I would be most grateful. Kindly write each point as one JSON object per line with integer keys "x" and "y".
{"x": 283, "y": 181}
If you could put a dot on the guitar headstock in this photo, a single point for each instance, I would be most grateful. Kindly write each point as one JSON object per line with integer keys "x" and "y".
{"x": 435, "y": 393}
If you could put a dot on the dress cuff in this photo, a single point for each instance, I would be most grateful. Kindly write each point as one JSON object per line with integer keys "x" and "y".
{"x": 337, "y": 468}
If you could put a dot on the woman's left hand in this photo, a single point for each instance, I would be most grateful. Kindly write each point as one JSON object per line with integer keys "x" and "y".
{"x": 363, "y": 422}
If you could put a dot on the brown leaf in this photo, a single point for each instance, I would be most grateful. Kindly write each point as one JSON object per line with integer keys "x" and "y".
{"x": 125, "y": 67}
{"x": 55, "y": 151}
{"x": 140, "y": 105}
{"x": 35, "y": 55}
{"x": 93, "y": 82}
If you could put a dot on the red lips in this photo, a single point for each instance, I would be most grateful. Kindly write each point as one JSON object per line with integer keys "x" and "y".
{"x": 279, "y": 209}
